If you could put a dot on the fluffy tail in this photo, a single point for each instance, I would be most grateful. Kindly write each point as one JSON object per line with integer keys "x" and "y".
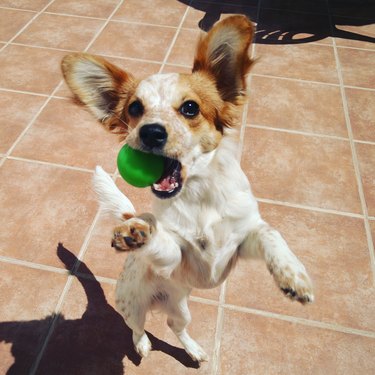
{"x": 112, "y": 200}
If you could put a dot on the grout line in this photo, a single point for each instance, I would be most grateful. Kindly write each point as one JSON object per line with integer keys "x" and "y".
{"x": 22, "y": 10}
{"x": 356, "y": 164}
{"x": 101, "y": 279}
{"x": 219, "y": 331}
{"x": 146, "y": 24}
{"x": 357, "y": 48}
{"x": 364, "y": 142}
{"x": 245, "y": 109}
{"x": 359, "y": 88}
{"x": 75, "y": 16}
{"x": 175, "y": 37}
{"x": 51, "y": 329}
{"x": 24, "y": 92}
{"x": 130, "y": 58}
{"x": 36, "y": 266}
{"x": 27, "y": 25}
{"x": 298, "y": 132}
{"x": 295, "y": 79}
{"x": 87, "y": 170}
{"x": 302, "y": 321}
{"x": 310, "y": 208}
{"x": 42, "y": 47}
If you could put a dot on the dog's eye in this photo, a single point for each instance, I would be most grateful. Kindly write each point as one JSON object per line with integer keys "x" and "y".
{"x": 136, "y": 109}
{"x": 189, "y": 109}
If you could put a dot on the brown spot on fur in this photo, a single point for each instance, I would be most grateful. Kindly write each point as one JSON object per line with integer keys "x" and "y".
{"x": 127, "y": 216}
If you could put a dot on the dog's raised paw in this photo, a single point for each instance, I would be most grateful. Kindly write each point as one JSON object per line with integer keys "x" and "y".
{"x": 131, "y": 235}
{"x": 294, "y": 283}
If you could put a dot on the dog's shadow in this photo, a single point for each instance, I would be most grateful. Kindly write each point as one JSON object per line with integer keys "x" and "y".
{"x": 290, "y": 25}
{"x": 96, "y": 343}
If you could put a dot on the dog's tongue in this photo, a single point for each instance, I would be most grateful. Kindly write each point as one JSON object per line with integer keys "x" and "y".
{"x": 168, "y": 183}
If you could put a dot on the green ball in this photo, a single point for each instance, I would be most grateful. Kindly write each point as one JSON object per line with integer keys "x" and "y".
{"x": 139, "y": 168}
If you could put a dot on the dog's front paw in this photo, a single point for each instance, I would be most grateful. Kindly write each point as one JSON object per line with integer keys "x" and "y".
{"x": 132, "y": 234}
{"x": 293, "y": 281}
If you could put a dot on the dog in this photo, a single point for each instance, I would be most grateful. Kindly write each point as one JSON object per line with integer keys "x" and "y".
{"x": 205, "y": 216}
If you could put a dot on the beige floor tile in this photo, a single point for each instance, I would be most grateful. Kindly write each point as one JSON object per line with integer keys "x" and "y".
{"x": 300, "y": 169}
{"x": 302, "y": 61}
{"x": 65, "y": 133}
{"x": 362, "y": 113}
{"x": 357, "y": 67}
{"x": 296, "y": 105}
{"x": 87, "y": 8}
{"x": 13, "y": 120}
{"x": 35, "y": 5}
{"x": 366, "y": 157}
{"x": 65, "y": 32}
{"x": 30, "y": 69}
{"x": 256, "y": 345}
{"x": 334, "y": 251}
{"x": 42, "y": 206}
{"x": 179, "y": 53}
{"x": 131, "y": 45}
{"x": 158, "y": 12}
{"x": 12, "y": 21}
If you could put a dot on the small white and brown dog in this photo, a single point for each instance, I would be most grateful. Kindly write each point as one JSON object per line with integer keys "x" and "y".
{"x": 205, "y": 216}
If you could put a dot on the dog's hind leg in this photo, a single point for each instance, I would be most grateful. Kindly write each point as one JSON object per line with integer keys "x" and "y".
{"x": 178, "y": 319}
{"x": 135, "y": 317}
{"x": 289, "y": 273}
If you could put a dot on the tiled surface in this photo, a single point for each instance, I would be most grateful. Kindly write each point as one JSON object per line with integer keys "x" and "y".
{"x": 56, "y": 31}
{"x": 308, "y": 148}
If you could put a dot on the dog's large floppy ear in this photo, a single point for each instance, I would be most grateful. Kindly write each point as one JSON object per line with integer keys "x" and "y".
{"x": 100, "y": 86}
{"x": 224, "y": 54}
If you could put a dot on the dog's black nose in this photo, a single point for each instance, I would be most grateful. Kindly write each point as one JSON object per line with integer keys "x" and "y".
{"x": 153, "y": 136}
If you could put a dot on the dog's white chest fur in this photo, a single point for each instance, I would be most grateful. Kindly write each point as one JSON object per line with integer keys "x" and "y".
{"x": 210, "y": 218}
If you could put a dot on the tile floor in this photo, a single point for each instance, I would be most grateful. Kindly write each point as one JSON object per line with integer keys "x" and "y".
{"x": 308, "y": 146}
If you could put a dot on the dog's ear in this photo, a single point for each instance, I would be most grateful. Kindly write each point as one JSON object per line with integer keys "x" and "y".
{"x": 224, "y": 54}
{"x": 99, "y": 85}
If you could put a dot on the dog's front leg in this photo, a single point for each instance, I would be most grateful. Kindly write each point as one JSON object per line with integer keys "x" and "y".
{"x": 289, "y": 273}
{"x": 158, "y": 246}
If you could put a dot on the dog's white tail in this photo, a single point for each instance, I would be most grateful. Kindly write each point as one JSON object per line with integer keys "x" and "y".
{"x": 112, "y": 200}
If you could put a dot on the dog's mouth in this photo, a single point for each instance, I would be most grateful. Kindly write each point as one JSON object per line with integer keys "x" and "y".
{"x": 170, "y": 183}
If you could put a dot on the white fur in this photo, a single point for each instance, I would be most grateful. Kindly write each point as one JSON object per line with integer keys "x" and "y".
{"x": 199, "y": 236}
{"x": 111, "y": 198}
